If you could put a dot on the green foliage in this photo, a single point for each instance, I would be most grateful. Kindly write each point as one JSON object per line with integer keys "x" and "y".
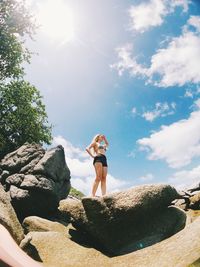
{"x": 75, "y": 193}
{"x": 23, "y": 116}
{"x": 15, "y": 23}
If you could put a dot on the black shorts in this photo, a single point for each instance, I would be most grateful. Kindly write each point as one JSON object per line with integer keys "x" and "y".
{"x": 101, "y": 158}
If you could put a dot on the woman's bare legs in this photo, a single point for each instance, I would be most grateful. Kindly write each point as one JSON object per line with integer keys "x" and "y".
{"x": 99, "y": 171}
{"x": 103, "y": 180}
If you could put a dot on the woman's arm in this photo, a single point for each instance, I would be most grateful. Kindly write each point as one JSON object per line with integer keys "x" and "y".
{"x": 106, "y": 141}
{"x": 88, "y": 149}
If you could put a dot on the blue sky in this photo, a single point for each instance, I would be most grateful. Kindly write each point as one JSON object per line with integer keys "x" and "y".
{"x": 129, "y": 70}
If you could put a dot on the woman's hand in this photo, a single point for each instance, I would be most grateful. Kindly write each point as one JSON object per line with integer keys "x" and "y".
{"x": 105, "y": 140}
{"x": 88, "y": 149}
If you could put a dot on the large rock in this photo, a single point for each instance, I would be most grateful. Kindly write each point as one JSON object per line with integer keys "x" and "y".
{"x": 195, "y": 264}
{"x": 129, "y": 220}
{"x": 25, "y": 156}
{"x": 180, "y": 250}
{"x": 72, "y": 209}
{"x": 35, "y": 179}
{"x": 195, "y": 201}
{"x": 62, "y": 250}
{"x": 8, "y": 217}
{"x": 37, "y": 224}
{"x": 58, "y": 250}
{"x": 194, "y": 188}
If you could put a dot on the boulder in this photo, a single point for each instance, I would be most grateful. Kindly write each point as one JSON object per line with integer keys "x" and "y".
{"x": 180, "y": 250}
{"x": 22, "y": 157}
{"x": 56, "y": 249}
{"x": 128, "y": 220}
{"x": 195, "y": 264}
{"x": 35, "y": 179}
{"x": 192, "y": 215}
{"x": 181, "y": 203}
{"x": 189, "y": 199}
{"x": 72, "y": 210}
{"x": 195, "y": 201}
{"x": 194, "y": 188}
{"x": 8, "y": 217}
{"x": 37, "y": 224}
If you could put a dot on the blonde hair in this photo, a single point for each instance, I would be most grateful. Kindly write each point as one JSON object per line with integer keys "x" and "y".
{"x": 95, "y": 138}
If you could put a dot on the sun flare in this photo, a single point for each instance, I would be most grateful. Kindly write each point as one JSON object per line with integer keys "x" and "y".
{"x": 56, "y": 20}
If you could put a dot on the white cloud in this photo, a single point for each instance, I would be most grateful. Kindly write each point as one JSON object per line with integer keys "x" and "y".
{"x": 147, "y": 15}
{"x": 132, "y": 154}
{"x": 84, "y": 184}
{"x": 189, "y": 93}
{"x": 185, "y": 179}
{"x": 182, "y": 3}
{"x": 152, "y": 13}
{"x": 161, "y": 110}
{"x": 82, "y": 169}
{"x": 197, "y": 104}
{"x": 198, "y": 90}
{"x": 177, "y": 64}
{"x": 177, "y": 143}
{"x": 134, "y": 110}
{"x": 70, "y": 150}
{"x": 127, "y": 62}
{"x": 147, "y": 178}
{"x": 192, "y": 92}
{"x": 195, "y": 22}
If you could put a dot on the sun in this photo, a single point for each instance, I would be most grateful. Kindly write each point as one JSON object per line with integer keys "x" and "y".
{"x": 56, "y": 20}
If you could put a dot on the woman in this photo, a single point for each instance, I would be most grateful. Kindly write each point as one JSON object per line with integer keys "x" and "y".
{"x": 97, "y": 151}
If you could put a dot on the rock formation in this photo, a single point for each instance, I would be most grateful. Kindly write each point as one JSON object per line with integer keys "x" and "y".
{"x": 129, "y": 220}
{"x": 35, "y": 179}
{"x": 63, "y": 246}
{"x": 8, "y": 217}
{"x": 135, "y": 227}
{"x": 189, "y": 199}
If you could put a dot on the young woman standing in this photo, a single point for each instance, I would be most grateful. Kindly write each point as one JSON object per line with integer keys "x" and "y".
{"x": 97, "y": 150}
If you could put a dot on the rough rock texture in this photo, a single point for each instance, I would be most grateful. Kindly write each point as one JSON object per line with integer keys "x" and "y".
{"x": 195, "y": 201}
{"x": 37, "y": 224}
{"x": 180, "y": 250}
{"x": 189, "y": 199}
{"x": 192, "y": 215}
{"x": 195, "y": 264}
{"x": 8, "y": 217}
{"x": 36, "y": 179}
{"x": 58, "y": 250}
{"x": 128, "y": 220}
{"x": 72, "y": 209}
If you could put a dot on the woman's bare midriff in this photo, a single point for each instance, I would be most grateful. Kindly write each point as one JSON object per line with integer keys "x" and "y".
{"x": 100, "y": 152}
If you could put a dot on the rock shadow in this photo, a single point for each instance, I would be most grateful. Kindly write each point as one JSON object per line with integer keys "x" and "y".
{"x": 82, "y": 238}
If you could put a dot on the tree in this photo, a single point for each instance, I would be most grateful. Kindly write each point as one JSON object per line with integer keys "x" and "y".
{"x": 76, "y": 193}
{"x": 23, "y": 116}
{"x": 15, "y": 24}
